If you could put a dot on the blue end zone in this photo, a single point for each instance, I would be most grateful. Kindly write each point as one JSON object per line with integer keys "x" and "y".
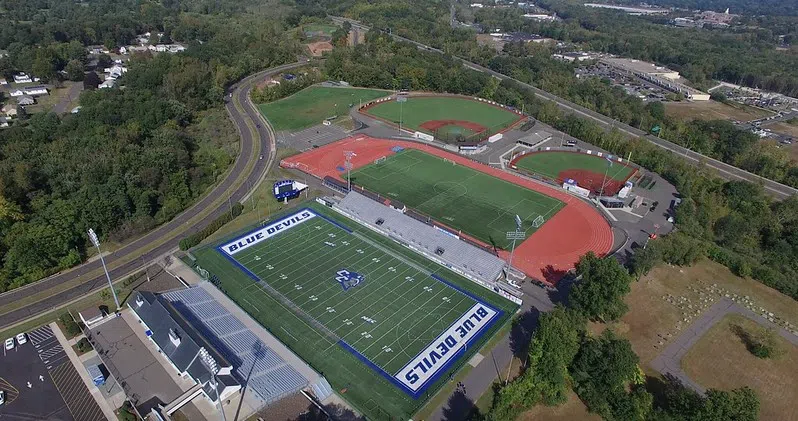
{"x": 444, "y": 368}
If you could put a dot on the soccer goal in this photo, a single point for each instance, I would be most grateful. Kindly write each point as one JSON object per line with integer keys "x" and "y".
{"x": 449, "y": 161}
{"x": 538, "y": 221}
{"x": 380, "y": 160}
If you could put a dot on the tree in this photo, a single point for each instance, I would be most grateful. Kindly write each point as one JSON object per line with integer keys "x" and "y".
{"x": 599, "y": 294}
{"x": 545, "y": 380}
{"x": 74, "y": 70}
{"x": 91, "y": 81}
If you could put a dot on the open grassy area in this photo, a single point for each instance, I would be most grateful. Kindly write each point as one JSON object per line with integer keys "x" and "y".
{"x": 420, "y": 109}
{"x": 458, "y": 196}
{"x": 319, "y": 29}
{"x": 550, "y": 164}
{"x": 355, "y": 305}
{"x": 720, "y": 360}
{"x": 312, "y": 105}
{"x": 713, "y": 110}
{"x": 652, "y": 321}
{"x": 572, "y": 409}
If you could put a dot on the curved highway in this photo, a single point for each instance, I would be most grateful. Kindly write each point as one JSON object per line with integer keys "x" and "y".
{"x": 256, "y": 155}
{"x": 725, "y": 171}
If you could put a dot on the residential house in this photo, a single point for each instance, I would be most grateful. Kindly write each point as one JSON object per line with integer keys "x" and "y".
{"x": 26, "y": 100}
{"x": 4, "y": 122}
{"x": 3, "y": 82}
{"x": 36, "y": 90}
{"x": 16, "y": 93}
{"x": 109, "y": 83}
{"x": 10, "y": 110}
{"x": 22, "y": 78}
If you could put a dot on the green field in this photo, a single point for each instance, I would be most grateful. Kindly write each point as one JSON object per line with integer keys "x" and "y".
{"x": 312, "y": 105}
{"x": 420, "y": 109}
{"x": 388, "y": 316}
{"x": 458, "y": 196}
{"x": 550, "y": 164}
{"x": 319, "y": 29}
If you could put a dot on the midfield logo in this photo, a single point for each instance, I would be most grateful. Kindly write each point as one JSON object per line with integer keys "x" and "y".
{"x": 348, "y": 279}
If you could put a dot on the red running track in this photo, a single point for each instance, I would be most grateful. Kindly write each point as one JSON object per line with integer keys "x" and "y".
{"x": 547, "y": 255}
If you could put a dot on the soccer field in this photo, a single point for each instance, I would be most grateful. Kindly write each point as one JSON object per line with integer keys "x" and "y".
{"x": 458, "y": 196}
{"x": 382, "y": 323}
{"x": 550, "y": 164}
{"x": 312, "y": 105}
{"x": 420, "y": 109}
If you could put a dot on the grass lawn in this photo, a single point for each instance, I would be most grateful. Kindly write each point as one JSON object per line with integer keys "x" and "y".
{"x": 357, "y": 306}
{"x": 312, "y": 105}
{"x": 713, "y": 110}
{"x": 720, "y": 360}
{"x": 458, "y": 196}
{"x": 550, "y": 164}
{"x": 420, "y": 109}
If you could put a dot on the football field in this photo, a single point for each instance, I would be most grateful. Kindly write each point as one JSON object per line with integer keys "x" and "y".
{"x": 458, "y": 196}
{"x": 380, "y": 322}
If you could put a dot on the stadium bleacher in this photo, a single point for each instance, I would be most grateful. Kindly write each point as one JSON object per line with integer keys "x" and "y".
{"x": 446, "y": 248}
{"x": 264, "y": 372}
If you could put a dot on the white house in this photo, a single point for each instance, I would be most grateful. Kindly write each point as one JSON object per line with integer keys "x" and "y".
{"x": 3, "y": 122}
{"x": 3, "y": 82}
{"x": 22, "y": 78}
{"x": 36, "y": 90}
{"x": 16, "y": 93}
{"x": 109, "y": 83}
{"x": 26, "y": 100}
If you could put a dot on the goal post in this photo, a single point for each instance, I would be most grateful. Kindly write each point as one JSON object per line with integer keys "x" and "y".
{"x": 537, "y": 222}
{"x": 449, "y": 161}
{"x": 380, "y": 160}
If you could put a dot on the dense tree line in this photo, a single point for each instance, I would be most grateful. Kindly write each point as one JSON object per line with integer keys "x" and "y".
{"x": 131, "y": 158}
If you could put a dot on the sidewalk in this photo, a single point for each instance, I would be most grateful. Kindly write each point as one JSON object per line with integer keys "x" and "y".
{"x": 84, "y": 375}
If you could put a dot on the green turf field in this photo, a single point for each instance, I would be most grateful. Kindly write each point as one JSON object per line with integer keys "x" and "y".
{"x": 420, "y": 109}
{"x": 312, "y": 105}
{"x": 458, "y": 196}
{"x": 309, "y": 298}
{"x": 549, "y": 164}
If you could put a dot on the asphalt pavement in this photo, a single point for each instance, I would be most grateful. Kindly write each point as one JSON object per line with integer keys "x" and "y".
{"x": 174, "y": 230}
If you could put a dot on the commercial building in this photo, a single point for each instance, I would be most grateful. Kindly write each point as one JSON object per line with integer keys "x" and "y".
{"x": 630, "y": 9}
{"x": 658, "y": 75}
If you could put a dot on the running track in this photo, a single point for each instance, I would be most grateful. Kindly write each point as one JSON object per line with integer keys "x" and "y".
{"x": 547, "y": 255}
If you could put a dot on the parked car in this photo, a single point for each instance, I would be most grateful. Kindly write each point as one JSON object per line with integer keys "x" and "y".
{"x": 2, "y": 397}
{"x": 21, "y": 339}
{"x": 9, "y": 344}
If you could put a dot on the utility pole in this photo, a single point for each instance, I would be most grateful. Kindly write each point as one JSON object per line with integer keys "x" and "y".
{"x": 96, "y": 242}
{"x": 146, "y": 268}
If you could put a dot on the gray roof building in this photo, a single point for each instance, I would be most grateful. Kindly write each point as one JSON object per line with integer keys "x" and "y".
{"x": 442, "y": 247}
{"x": 185, "y": 347}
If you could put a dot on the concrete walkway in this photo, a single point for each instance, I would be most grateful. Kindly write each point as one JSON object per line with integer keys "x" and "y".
{"x": 668, "y": 362}
{"x": 84, "y": 375}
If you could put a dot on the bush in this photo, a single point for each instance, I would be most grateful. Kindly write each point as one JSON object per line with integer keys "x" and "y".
{"x": 84, "y": 345}
{"x": 70, "y": 325}
{"x": 196, "y": 238}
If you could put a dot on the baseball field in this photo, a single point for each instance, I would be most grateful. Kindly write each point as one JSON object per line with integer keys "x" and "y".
{"x": 448, "y": 118}
{"x": 589, "y": 171}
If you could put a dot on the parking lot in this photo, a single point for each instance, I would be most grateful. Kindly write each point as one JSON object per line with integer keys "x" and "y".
{"x": 30, "y": 390}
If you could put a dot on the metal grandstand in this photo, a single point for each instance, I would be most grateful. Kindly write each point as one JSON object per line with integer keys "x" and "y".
{"x": 258, "y": 366}
{"x": 442, "y": 247}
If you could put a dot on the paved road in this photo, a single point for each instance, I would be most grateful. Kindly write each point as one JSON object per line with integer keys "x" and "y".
{"x": 725, "y": 171}
{"x": 175, "y": 229}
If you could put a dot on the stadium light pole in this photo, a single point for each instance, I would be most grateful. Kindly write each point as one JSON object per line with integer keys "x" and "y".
{"x": 606, "y": 170}
{"x": 514, "y": 235}
{"x": 96, "y": 242}
{"x": 348, "y": 165}
{"x": 401, "y": 100}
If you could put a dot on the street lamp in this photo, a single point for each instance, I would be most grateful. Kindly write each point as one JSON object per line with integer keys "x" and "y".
{"x": 96, "y": 242}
